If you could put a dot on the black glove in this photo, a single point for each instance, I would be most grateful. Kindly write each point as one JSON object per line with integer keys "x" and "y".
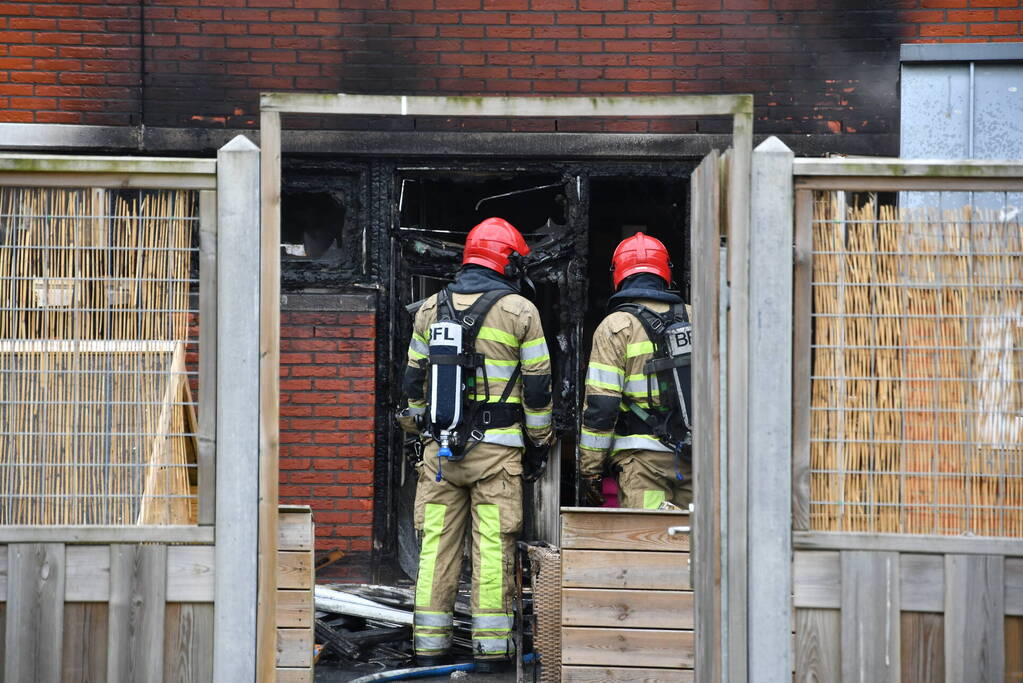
{"x": 534, "y": 461}
{"x": 590, "y": 491}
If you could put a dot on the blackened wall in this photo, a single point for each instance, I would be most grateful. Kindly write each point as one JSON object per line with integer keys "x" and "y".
{"x": 815, "y": 66}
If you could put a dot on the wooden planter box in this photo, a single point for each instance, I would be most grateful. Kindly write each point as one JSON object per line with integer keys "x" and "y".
{"x": 295, "y": 580}
{"x": 626, "y": 600}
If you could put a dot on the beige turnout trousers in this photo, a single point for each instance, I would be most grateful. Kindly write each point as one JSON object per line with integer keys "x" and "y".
{"x": 488, "y": 500}
{"x": 648, "y": 479}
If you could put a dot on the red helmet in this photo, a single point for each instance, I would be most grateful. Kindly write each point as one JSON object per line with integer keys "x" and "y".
{"x": 640, "y": 254}
{"x": 490, "y": 244}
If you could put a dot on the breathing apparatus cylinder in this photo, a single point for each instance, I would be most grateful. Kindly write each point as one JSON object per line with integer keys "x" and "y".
{"x": 678, "y": 338}
{"x": 446, "y": 385}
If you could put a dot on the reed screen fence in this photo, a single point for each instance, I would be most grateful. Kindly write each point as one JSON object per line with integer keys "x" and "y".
{"x": 98, "y": 353}
{"x": 916, "y": 370}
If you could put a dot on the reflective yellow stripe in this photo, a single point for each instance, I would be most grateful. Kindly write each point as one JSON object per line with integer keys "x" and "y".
{"x": 433, "y": 527}
{"x": 500, "y": 336}
{"x": 534, "y": 342}
{"x": 638, "y": 349}
{"x": 488, "y": 361}
{"x": 412, "y": 353}
{"x": 491, "y": 560}
{"x": 652, "y": 499}
{"x": 603, "y": 385}
{"x": 609, "y": 368}
{"x": 416, "y": 335}
{"x": 495, "y": 397}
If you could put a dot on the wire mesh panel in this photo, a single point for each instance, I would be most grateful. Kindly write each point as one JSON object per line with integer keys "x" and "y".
{"x": 97, "y": 356}
{"x": 917, "y": 369}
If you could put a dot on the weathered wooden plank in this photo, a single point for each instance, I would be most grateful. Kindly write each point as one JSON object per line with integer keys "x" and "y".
{"x": 818, "y": 646}
{"x": 3, "y": 573}
{"x": 1014, "y": 648}
{"x": 870, "y": 616}
{"x": 138, "y": 601}
{"x": 974, "y": 618}
{"x": 294, "y": 569}
{"x": 923, "y": 647}
{"x": 85, "y": 641}
{"x": 626, "y": 609}
{"x": 295, "y": 531}
{"x": 269, "y": 386}
{"x": 188, "y": 643}
{"x": 922, "y": 583}
{"x": 190, "y": 573}
{"x": 595, "y": 674}
{"x": 292, "y": 675}
{"x": 904, "y": 543}
{"x": 105, "y": 534}
{"x": 704, "y": 242}
{"x": 207, "y": 472}
{"x": 623, "y": 531}
{"x": 623, "y": 646}
{"x": 623, "y": 569}
{"x": 1014, "y": 586}
{"x": 294, "y": 609}
{"x": 88, "y": 573}
{"x": 294, "y": 647}
{"x": 816, "y": 579}
{"x": 35, "y": 610}
{"x": 801, "y": 332}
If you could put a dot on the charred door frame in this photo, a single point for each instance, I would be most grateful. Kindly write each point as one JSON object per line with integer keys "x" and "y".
{"x": 738, "y": 107}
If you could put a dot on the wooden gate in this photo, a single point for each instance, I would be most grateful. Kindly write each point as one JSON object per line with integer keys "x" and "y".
{"x": 907, "y": 472}
{"x": 128, "y": 476}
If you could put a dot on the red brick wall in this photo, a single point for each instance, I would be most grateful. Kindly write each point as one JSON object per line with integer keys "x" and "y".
{"x": 327, "y": 430}
{"x": 815, "y": 65}
{"x": 70, "y": 62}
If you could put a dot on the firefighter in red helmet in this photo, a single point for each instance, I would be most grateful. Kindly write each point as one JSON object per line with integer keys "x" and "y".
{"x": 478, "y": 384}
{"x": 636, "y": 416}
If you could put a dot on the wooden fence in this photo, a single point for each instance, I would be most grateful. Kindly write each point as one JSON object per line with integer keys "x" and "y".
{"x": 894, "y": 580}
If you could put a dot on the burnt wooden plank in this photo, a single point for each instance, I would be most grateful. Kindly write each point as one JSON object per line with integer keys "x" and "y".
{"x": 598, "y": 674}
{"x": 626, "y": 608}
{"x": 655, "y": 648}
{"x": 818, "y": 646}
{"x": 923, "y": 647}
{"x": 85, "y": 642}
{"x": 623, "y": 531}
{"x": 138, "y": 601}
{"x": 294, "y": 609}
{"x": 816, "y": 579}
{"x": 870, "y": 616}
{"x": 35, "y": 610}
{"x": 974, "y": 617}
{"x": 188, "y": 643}
{"x": 294, "y": 569}
{"x": 623, "y": 569}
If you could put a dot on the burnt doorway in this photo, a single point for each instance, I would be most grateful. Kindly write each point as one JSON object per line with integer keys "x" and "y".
{"x": 572, "y": 215}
